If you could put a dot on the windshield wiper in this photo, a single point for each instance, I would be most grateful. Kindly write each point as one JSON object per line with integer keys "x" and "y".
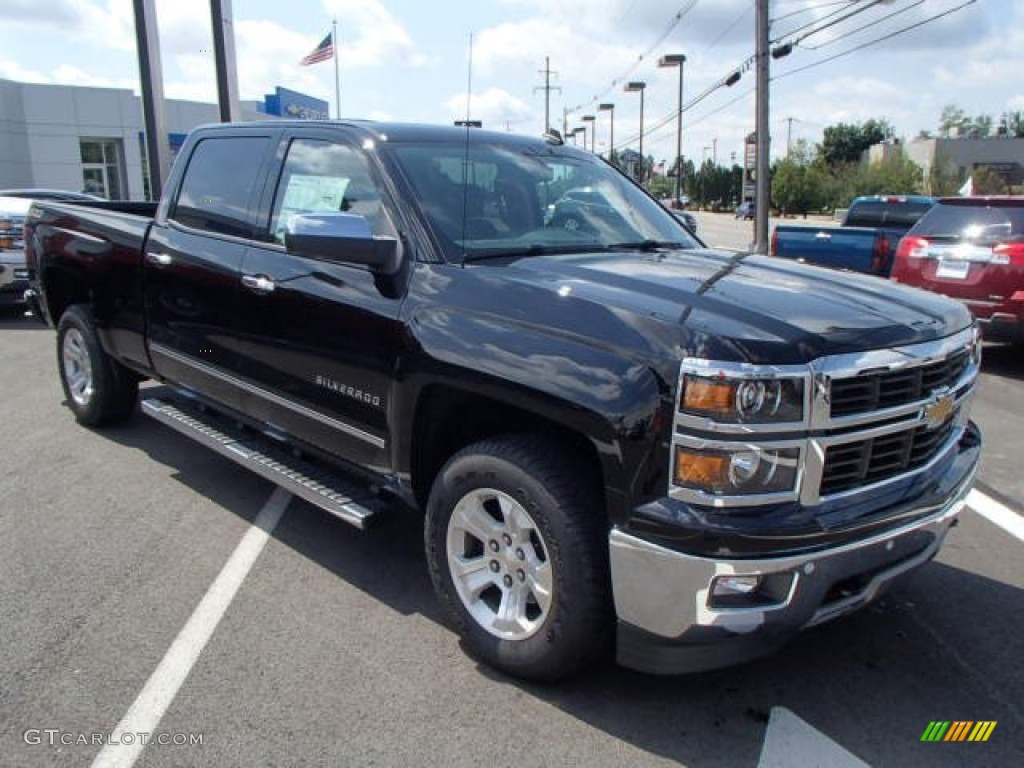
{"x": 531, "y": 250}
{"x": 646, "y": 245}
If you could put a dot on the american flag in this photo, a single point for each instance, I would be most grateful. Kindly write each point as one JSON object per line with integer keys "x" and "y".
{"x": 322, "y": 52}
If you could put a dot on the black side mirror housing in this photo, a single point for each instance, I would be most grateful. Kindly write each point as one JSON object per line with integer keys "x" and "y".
{"x": 342, "y": 237}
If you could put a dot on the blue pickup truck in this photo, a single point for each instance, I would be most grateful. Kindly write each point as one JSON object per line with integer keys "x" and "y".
{"x": 866, "y": 241}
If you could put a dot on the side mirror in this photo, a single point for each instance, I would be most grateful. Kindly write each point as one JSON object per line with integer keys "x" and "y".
{"x": 341, "y": 237}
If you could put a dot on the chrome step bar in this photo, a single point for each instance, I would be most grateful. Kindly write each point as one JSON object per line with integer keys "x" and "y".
{"x": 342, "y": 498}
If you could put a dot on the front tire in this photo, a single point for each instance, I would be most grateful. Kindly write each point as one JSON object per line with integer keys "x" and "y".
{"x": 99, "y": 391}
{"x": 517, "y": 552}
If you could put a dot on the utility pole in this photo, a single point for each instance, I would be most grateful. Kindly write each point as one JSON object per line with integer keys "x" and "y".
{"x": 224, "y": 56}
{"x": 789, "y": 134}
{"x": 151, "y": 80}
{"x": 548, "y": 88}
{"x": 762, "y": 184}
{"x": 714, "y": 150}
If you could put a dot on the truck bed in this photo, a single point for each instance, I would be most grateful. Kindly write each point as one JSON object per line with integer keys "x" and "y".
{"x": 852, "y": 248}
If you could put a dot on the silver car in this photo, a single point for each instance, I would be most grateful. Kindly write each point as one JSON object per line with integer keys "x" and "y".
{"x": 13, "y": 270}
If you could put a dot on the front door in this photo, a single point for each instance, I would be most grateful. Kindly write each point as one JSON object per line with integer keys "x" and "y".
{"x": 320, "y": 337}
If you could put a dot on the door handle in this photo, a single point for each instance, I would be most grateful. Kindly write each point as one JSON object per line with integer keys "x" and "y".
{"x": 823, "y": 236}
{"x": 259, "y": 283}
{"x": 159, "y": 259}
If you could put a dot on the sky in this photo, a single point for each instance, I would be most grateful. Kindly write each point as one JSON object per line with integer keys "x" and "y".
{"x": 436, "y": 61}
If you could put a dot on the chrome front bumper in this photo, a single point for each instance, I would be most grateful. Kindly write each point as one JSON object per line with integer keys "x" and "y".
{"x": 670, "y": 620}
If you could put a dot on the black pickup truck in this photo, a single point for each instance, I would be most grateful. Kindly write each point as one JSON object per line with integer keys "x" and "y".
{"x": 614, "y": 433}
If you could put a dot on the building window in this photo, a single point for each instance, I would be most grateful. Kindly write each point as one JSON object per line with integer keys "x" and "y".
{"x": 102, "y": 168}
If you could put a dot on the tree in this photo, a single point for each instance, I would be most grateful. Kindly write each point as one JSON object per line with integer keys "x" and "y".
{"x": 954, "y": 121}
{"x": 846, "y": 142}
{"x": 798, "y": 184}
{"x": 894, "y": 174}
{"x": 1012, "y": 124}
{"x": 987, "y": 181}
{"x": 945, "y": 178}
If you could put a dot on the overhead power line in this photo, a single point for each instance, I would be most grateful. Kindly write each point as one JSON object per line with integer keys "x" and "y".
{"x": 805, "y": 9}
{"x": 862, "y": 27}
{"x": 673, "y": 22}
{"x": 875, "y": 41}
{"x": 861, "y": 8}
{"x": 829, "y": 20}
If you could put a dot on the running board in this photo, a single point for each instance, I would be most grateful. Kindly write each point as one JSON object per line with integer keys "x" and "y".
{"x": 344, "y": 499}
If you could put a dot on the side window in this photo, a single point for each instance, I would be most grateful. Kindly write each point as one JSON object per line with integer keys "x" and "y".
{"x": 219, "y": 182}
{"x": 320, "y": 176}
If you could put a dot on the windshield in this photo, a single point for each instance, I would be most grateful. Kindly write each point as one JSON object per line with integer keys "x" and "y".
{"x": 490, "y": 199}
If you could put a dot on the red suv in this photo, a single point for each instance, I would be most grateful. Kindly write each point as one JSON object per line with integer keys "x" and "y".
{"x": 972, "y": 249}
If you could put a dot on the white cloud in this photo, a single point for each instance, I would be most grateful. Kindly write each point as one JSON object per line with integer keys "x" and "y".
{"x": 12, "y": 70}
{"x": 494, "y": 106}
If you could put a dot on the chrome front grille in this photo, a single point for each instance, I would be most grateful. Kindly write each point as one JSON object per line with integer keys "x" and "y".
{"x": 869, "y": 419}
{"x": 863, "y": 462}
{"x": 885, "y": 414}
{"x": 887, "y": 389}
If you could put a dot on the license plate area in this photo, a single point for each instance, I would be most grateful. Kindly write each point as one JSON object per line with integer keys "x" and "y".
{"x": 953, "y": 269}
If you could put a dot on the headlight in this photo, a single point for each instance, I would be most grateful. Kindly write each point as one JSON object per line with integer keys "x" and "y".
{"x": 746, "y": 470}
{"x": 743, "y": 400}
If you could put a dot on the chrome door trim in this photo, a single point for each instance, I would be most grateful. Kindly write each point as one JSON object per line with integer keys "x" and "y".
{"x": 309, "y": 413}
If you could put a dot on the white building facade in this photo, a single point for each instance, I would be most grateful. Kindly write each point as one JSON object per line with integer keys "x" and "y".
{"x": 92, "y": 139}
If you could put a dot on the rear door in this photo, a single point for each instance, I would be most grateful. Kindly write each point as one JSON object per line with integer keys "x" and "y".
{"x": 320, "y": 337}
{"x": 192, "y": 263}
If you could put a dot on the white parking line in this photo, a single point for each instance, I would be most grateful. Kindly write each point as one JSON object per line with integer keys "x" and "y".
{"x": 999, "y": 514}
{"x": 148, "y": 708}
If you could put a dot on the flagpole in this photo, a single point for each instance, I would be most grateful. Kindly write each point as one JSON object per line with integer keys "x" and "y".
{"x": 337, "y": 77}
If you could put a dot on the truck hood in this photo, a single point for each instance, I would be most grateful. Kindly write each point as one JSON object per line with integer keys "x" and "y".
{"x": 745, "y": 307}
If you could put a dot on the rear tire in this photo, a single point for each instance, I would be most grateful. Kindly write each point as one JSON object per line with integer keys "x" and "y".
{"x": 517, "y": 551}
{"x": 99, "y": 390}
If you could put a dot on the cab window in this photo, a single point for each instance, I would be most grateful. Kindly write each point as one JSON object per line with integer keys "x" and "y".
{"x": 321, "y": 176}
{"x": 219, "y": 184}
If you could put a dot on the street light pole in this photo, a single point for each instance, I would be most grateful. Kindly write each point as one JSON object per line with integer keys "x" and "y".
{"x": 677, "y": 60}
{"x": 611, "y": 137}
{"x": 633, "y": 87}
{"x": 589, "y": 119}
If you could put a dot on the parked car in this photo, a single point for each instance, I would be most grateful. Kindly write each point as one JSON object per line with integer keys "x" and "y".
{"x": 613, "y": 436}
{"x": 688, "y": 219}
{"x": 866, "y": 241}
{"x": 745, "y": 210}
{"x": 585, "y": 209}
{"x": 13, "y": 270}
{"x": 972, "y": 249}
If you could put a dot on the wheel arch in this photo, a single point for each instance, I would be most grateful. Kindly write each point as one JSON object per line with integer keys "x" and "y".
{"x": 447, "y": 419}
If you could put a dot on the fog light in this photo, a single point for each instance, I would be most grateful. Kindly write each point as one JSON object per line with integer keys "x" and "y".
{"x": 734, "y": 585}
{"x": 760, "y": 592}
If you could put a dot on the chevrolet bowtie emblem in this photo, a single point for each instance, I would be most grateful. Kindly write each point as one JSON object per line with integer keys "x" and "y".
{"x": 937, "y": 412}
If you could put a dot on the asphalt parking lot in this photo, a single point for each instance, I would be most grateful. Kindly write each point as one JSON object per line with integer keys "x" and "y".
{"x": 323, "y": 645}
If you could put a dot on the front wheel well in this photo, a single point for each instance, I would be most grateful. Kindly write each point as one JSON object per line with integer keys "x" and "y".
{"x": 447, "y": 420}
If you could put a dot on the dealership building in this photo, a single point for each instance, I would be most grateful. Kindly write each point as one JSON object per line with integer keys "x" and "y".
{"x": 93, "y": 140}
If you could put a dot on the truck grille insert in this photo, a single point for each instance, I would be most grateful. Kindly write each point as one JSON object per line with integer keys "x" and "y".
{"x": 862, "y": 462}
{"x": 876, "y": 391}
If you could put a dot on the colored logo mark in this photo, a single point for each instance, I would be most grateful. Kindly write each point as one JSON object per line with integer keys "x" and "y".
{"x": 958, "y": 730}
